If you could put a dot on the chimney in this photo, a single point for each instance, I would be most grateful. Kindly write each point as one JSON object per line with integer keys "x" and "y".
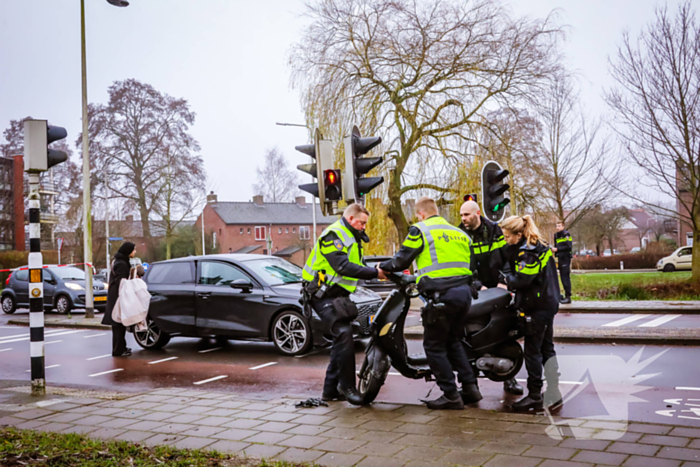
{"x": 212, "y": 198}
{"x": 300, "y": 200}
{"x": 18, "y": 193}
{"x": 258, "y": 200}
{"x": 130, "y": 219}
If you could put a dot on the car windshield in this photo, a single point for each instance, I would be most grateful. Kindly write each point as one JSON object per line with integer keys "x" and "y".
{"x": 275, "y": 271}
{"x": 68, "y": 273}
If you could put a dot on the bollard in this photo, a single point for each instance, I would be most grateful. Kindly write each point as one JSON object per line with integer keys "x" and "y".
{"x": 36, "y": 290}
{"x": 622, "y": 265}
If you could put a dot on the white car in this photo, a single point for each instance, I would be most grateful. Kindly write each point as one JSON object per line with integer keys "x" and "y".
{"x": 680, "y": 259}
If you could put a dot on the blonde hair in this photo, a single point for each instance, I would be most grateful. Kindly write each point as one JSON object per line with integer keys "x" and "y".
{"x": 526, "y": 226}
{"x": 354, "y": 209}
{"x": 426, "y": 205}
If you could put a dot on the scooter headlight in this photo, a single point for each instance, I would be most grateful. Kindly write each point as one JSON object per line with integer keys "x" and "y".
{"x": 412, "y": 290}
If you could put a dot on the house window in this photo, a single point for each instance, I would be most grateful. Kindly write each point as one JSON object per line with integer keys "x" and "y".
{"x": 287, "y": 230}
{"x": 213, "y": 240}
{"x": 241, "y": 230}
{"x": 294, "y": 230}
{"x": 248, "y": 230}
{"x": 279, "y": 231}
{"x": 260, "y": 233}
{"x": 304, "y": 232}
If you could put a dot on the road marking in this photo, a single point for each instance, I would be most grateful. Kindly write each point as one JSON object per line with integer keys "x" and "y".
{"x": 106, "y": 372}
{"x": 10, "y": 327}
{"x": 7, "y": 340}
{"x": 628, "y": 320}
{"x": 95, "y": 335}
{"x": 161, "y": 361}
{"x": 5, "y": 350}
{"x": 210, "y": 350}
{"x": 101, "y": 356}
{"x": 46, "y": 368}
{"x": 52, "y": 342}
{"x": 263, "y": 366}
{"x": 211, "y": 379}
{"x": 659, "y": 321}
{"x": 680, "y": 388}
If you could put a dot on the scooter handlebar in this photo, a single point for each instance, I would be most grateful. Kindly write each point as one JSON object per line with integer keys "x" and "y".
{"x": 401, "y": 278}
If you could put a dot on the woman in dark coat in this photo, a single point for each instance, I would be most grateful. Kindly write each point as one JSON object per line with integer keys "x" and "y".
{"x": 120, "y": 270}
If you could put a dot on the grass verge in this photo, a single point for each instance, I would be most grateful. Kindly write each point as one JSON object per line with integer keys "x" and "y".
{"x": 634, "y": 286}
{"x": 26, "y": 447}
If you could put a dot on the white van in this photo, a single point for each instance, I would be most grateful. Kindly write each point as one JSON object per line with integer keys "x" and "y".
{"x": 680, "y": 259}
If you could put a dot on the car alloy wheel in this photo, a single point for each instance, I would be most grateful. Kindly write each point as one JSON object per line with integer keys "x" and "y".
{"x": 63, "y": 304}
{"x": 150, "y": 336}
{"x": 291, "y": 333}
{"x": 8, "y": 304}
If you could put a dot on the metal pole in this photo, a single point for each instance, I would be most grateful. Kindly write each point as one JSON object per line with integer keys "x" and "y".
{"x": 313, "y": 213}
{"x": 87, "y": 221}
{"x": 107, "y": 223}
{"x": 36, "y": 291}
{"x": 204, "y": 251}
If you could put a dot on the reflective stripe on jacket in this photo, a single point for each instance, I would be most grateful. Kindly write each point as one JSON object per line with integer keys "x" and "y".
{"x": 446, "y": 249}
{"x": 318, "y": 262}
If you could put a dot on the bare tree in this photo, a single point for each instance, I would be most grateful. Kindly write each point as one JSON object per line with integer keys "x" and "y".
{"x": 132, "y": 136}
{"x": 657, "y": 111}
{"x": 276, "y": 182}
{"x": 421, "y": 74}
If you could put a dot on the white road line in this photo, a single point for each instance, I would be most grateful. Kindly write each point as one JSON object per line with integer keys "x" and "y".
{"x": 46, "y": 333}
{"x": 628, "y": 320}
{"x": 210, "y": 350}
{"x": 681, "y": 388}
{"x": 10, "y": 327}
{"x": 211, "y": 379}
{"x": 100, "y": 356}
{"x": 52, "y": 342}
{"x": 263, "y": 366}
{"x": 26, "y": 338}
{"x": 46, "y": 368}
{"x": 95, "y": 335}
{"x": 161, "y": 361}
{"x": 5, "y": 350}
{"x": 659, "y": 321}
{"x": 106, "y": 372}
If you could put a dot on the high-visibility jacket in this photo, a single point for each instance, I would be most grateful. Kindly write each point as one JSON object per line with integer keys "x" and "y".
{"x": 318, "y": 262}
{"x": 446, "y": 249}
{"x": 534, "y": 280}
{"x": 489, "y": 256}
{"x": 563, "y": 244}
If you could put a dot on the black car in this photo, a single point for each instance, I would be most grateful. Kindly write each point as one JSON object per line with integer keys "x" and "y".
{"x": 381, "y": 287}
{"x": 238, "y": 296}
{"x": 64, "y": 289}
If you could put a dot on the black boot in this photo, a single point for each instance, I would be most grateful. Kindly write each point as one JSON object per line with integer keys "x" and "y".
{"x": 553, "y": 398}
{"x": 470, "y": 393}
{"x": 334, "y": 396}
{"x": 511, "y": 386}
{"x": 566, "y": 301}
{"x": 531, "y": 401}
{"x": 446, "y": 403}
{"x": 351, "y": 395}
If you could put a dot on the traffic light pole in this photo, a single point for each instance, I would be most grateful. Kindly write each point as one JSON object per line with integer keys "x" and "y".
{"x": 36, "y": 290}
{"x": 87, "y": 210}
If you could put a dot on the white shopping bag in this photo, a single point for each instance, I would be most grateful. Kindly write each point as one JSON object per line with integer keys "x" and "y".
{"x": 132, "y": 305}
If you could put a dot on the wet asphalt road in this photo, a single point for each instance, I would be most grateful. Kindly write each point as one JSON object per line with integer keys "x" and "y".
{"x": 82, "y": 357}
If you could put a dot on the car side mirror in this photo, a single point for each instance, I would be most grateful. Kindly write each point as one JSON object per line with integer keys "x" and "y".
{"x": 243, "y": 284}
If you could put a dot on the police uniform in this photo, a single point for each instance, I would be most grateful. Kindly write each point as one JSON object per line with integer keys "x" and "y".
{"x": 534, "y": 281}
{"x": 564, "y": 244}
{"x": 442, "y": 254}
{"x": 338, "y": 257}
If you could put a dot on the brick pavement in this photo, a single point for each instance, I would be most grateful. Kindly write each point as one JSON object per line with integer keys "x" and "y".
{"x": 382, "y": 435}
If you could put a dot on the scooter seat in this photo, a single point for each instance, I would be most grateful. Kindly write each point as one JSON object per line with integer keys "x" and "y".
{"x": 489, "y": 300}
{"x": 417, "y": 359}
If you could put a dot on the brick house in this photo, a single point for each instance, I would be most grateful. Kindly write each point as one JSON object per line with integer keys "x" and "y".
{"x": 280, "y": 229}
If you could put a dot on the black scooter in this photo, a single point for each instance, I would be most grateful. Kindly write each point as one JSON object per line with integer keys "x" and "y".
{"x": 490, "y": 339}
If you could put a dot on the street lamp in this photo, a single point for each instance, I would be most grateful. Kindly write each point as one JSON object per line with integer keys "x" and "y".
{"x": 87, "y": 222}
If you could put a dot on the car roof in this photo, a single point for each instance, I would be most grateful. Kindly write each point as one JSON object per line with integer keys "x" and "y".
{"x": 240, "y": 257}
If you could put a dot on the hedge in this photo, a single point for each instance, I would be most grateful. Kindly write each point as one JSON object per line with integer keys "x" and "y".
{"x": 643, "y": 260}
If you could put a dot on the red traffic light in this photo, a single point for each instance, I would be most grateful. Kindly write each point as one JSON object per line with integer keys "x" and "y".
{"x": 331, "y": 182}
{"x": 470, "y": 197}
{"x": 331, "y": 177}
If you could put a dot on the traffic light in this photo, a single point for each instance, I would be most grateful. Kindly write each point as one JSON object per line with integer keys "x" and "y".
{"x": 471, "y": 197}
{"x": 38, "y": 157}
{"x": 356, "y": 166}
{"x": 322, "y": 151}
{"x": 332, "y": 185}
{"x": 493, "y": 189}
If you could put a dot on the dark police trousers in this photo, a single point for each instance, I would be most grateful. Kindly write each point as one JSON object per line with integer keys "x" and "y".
{"x": 539, "y": 352}
{"x": 565, "y": 274}
{"x": 118, "y": 339}
{"x": 441, "y": 341}
{"x": 341, "y": 369}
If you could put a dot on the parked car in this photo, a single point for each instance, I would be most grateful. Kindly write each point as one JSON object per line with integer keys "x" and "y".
{"x": 607, "y": 252}
{"x": 636, "y": 250}
{"x": 241, "y": 297}
{"x": 101, "y": 275}
{"x": 380, "y": 286}
{"x": 64, "y": 290}
{"x": 680, "y": 259}
{"x": 586, "y": 253}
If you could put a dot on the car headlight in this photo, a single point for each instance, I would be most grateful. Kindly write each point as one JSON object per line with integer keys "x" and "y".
{"x": 660, "y": 262}
{"x": 74, "y": 286}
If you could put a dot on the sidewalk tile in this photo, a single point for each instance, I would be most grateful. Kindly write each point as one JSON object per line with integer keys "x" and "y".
{"x": 383, "y": 416}
{"x": 173, "y": 428}
{"x": 540, "y": 440}
{"x": 638, "y": 461}
{"x": 497, "y": 435}
{"x": 551, "y": 463}
{"x": 145, "y": 405}
{"x": 253, "y": 414}
{"x": 379, "y": 449}
{"x": 310, "y": 430}
{"x": 695, "y": 444}
{"x": 380, "y": 425}
{"x": 11, "y": 421}
{"x": 170, "y": 407}
{"x": 510, "y": 461}
{"x": 466, "y": 458}
{"x": 146, "y": 426}
{"x": 234, "y": 434}
{"x": 419, "y": 440}
{"x": 258, "y": 406}
{"x": 280, "y": 417}
{"x": 302, "y": 441}
{"x": 497, "y": 425}
{"x": 319, "y": 410}
{"x": 276, "y": 427}
{"x": 340, "y": 445}
{"x": 416, "y": 429}
{"x": 534, "y": 428}
{"x": 344, "y": 433}
{"x": 185, "y": 418}
{"x": 155, "y": 416}
{"x": 651, "y": 429}
{"x": 691, "y": 464}
{"x": 118, "y": 423}
{"x": 242, "y": 423}
{"x": 587, "y": 444}
{"x": 415, "y": 418}
{"x": 85, "y": 409}
{"x": 231, "y": 404}
{"x": 192, "y": 442}
{"x": 63, "y": 417}
{"x": 344, "y": 409}
{"x": 212, "y": 421}
{"x": 631, "y": 448}
{"x": 106, "y": 433}
{"x": 134, "y": 436}
{"x": 504, "y": 448}
{"x": 550, "y": 452}
{"x": 285, "y": 408}
{"x": 161, "y": 438}
{"x": 82, "y": 430}
{"x": 420, "y": 453}
{"x": 687, "y": 432}
{"x": 267, "y": 437}
{"x": 450, "y": 432}
{"x": 54, "y": 426}
{"x": 133, "y": 413}
{"x": 219, "y": 412}
{"x": 601, "y": 458}
{"x": 203, "y": 431}
{"x": 461, "y": 444}
{"x": 683, "y": 454}
{"x": 295, "y": 456}
{"x": 664, "y": 440}
{"x": 617, "y": 426}
{"x": 234, "y": 447}
{"x": 33, "y": 414}
{"x": 379, "y": 436}
{"x": 334, "y": 459}
{"x": 191, "y": 410}
{"x": 205, "y": 403}
{"x": 263, "y": 450}
{"x": 107, "y": 411}
{"x": 61, "y": 406}
{"x": 385, "y": 406}
{"x": 313, "y": 419}
{"x": 346, "y": 422}
{"x": 373, "y": 461}
{"x": 31, "y": 424}
{"x": 613, "y": 435}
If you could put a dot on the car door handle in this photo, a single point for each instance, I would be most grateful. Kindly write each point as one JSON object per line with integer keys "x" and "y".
{"x": 204, "y": 295}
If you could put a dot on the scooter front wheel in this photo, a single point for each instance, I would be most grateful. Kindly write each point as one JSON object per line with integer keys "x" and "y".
{"x": 374, "y": 371}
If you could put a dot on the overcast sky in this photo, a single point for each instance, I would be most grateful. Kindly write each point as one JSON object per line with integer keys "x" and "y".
{"x": 228, "y": 59}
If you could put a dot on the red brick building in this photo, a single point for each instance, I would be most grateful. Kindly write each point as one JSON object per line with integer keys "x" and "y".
{"x": 280, "y": 229}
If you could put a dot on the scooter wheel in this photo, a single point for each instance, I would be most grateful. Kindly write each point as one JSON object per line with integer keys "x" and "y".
{"x": 512, "y": 351}
{"x": 372, "y": 376}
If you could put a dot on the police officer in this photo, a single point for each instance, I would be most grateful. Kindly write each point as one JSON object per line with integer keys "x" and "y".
{"x": 442, "y": 254}
{"x": 534, "y": 281}
{"x": 562, "y": 248}
{"x": 488, "y": 259}
{"x": 330, "y": 276}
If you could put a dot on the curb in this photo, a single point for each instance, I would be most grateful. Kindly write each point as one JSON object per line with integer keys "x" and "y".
{"x": 68, "y": 325}
{"x": 617, "y": 309}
